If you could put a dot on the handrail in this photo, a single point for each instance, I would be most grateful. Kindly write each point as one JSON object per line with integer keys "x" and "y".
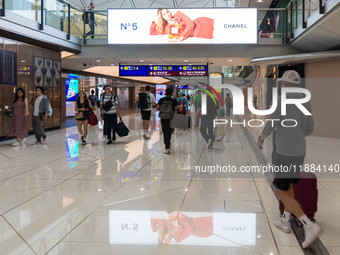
{"x": 70, "y": 4}
{"x": 76, "y": 27}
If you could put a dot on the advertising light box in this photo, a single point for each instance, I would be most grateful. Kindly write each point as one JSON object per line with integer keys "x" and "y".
{"x": 183, "y": 26}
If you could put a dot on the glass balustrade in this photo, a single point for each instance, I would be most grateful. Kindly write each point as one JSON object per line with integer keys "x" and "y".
{"x": 30, "y": 9}
{"x": 61, "y": 15}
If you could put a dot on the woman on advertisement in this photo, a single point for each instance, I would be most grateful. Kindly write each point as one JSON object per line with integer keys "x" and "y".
{"x": 180, "y": 27}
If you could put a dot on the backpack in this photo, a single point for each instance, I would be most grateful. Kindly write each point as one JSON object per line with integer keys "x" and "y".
{"x": 84, "y": 17}
{"x": 144, "y": 101}
{"x": 92, "y": 99}
{"x": 166, "y": 110}
{"x": 182, "y": 103}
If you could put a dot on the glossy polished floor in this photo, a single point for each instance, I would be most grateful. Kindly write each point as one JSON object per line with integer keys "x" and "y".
{"x": 65, "y": 198}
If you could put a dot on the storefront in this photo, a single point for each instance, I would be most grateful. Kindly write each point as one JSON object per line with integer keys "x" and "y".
{"x": 26, "y": 66}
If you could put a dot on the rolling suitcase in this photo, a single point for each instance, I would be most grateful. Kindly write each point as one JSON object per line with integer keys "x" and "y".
{"x": 222, "y": 113}
{"x": 306, "y": 193}
{"x": 180, "y": 121}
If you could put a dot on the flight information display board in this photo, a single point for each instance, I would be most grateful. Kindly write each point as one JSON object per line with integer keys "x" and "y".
{"x": 163, "y": 70}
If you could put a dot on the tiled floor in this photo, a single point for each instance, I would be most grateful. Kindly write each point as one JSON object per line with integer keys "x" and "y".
{"x": 65, "y": 198}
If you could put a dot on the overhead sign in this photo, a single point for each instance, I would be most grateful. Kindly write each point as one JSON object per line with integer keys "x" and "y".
{"x": 167, "y": 70}
{"x": 133, "y": 70}
{"x": 163, "y": 70}
{"x": 184, "y": 26}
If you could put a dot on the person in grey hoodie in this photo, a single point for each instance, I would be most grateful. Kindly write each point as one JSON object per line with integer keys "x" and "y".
{"x": 39, "y": 112}
{"x": 291, "y": 151}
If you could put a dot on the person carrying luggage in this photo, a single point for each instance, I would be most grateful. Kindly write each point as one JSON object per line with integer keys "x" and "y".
{"x": 291, "y": 151}
{"x": 108, "y": 112}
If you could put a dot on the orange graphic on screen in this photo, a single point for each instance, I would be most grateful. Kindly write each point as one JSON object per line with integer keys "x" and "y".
{"x": 180, "y": 27}
{"x": 183, "y": 227}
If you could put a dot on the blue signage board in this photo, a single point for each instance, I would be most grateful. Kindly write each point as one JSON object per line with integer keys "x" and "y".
{"x": 163, "y": 70}
{"x": 133, "y": 70}
{"x": 193, "y": 70}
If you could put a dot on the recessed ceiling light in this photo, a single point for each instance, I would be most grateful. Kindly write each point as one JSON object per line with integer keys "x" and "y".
{"x": 141, "y": 189}
{"x": 259, "y": 1}
{"x": 229, "y": 189}
{"x": 98, "y": 60}
{"x": 230, "y": 60}
{"x": 141, "y": 60}
{"x": 186, "y": 60}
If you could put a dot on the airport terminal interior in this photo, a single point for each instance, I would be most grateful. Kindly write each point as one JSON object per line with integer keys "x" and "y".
{"x": 169, "y": 127}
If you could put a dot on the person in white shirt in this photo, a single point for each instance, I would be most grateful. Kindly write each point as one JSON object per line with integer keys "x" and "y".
{"x": 39, "y": 111}
{"x": 146, "y": 101}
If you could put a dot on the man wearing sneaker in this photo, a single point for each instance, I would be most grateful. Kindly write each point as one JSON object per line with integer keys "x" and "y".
{"x": 108, "y": 112}
{"x": 291, "y": 150}
{"x": 39, "y": 111}
{"x": 207, "y": 121}
{"x": 146, "y": 101}
{"x": 167, "y": 107}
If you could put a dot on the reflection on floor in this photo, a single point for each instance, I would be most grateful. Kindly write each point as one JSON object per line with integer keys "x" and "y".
{"x": 130, "y": 198}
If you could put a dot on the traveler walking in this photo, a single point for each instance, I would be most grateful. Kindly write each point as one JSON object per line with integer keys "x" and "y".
{"x": 183, "y": 102}
{"x": 197, "y": 103}
{"x": 146, "y": 101}
{"x": 108, "y": 112}
{"x": 90, "y": 20}
{"x": 137, "y": 103}
{"x": 167, "y": 106}
{"x": 83, "y": 106}
{"x": 291, "y": 151}
{"x": 229, "y": 104}
{"x": 207, "y": 122}
{"x": 93, "y": 98}
{"x": 255, "y": 101}
{"x": 40, "y": 112}
{"x": 18, "y": 125}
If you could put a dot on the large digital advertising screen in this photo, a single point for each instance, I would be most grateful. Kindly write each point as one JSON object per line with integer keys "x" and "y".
{"x": 160, "y": 91}
{"x": 183, "y": 26}
{"x": 71, "y": 89}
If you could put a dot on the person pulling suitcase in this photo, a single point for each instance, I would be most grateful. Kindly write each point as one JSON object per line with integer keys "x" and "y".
{"x": 291, "y": 150}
